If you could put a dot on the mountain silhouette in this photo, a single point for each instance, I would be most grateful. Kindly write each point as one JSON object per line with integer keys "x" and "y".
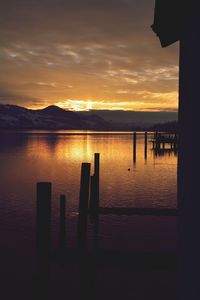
{"x": 51, "y": 117}
{"x": 54, "y": 110}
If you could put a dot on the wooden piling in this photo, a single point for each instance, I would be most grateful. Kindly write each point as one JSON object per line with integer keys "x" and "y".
{"x": 156, "y": 140}
{"x": 43, "y": 204}
{"x": 94, "y": 197}
{"x": 62, "y": 212}
{"x": 175, "y": 142}
{"x": 62, "y": 233}
{"x": 145, "y": 144}
{"x": 83, "y": 204}
{"x": 92, "y": 204}
{"x": 43, "y": 218}
{"x": 96, "y": 176}
{"x": 94, "y": 187}
{"x": 44, "y": 195}
{"x": 43, "y": 201}
{"x": 96, "y": 164}
{"x": 134, "y": 146}
{"x": 43, "y": 238}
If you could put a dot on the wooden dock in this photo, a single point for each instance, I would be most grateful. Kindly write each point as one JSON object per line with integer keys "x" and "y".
{"x": 161, "y": 139}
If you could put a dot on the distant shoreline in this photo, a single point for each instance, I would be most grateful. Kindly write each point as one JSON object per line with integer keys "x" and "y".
{"x": 53, "y": 118}
{"x": 76, "y": 132}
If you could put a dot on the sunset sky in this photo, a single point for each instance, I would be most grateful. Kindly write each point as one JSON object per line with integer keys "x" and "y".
{"x": 85, "y": 54}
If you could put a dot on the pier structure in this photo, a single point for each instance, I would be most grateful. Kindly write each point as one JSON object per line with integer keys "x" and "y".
{"x": 161, "y": 139}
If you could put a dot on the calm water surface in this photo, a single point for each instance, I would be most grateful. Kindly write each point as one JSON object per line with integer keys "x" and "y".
{"x": 48, "y": 156}
{"x": 26, "y": 158}
{"x": 29, "y": 157}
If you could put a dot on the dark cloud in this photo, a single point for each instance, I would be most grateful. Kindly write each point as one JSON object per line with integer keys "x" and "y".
{"x": 7, "y": 96}
{"x": 75, "y": 19}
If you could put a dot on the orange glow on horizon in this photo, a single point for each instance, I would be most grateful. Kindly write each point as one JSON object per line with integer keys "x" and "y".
{"x": 169, "y": 104}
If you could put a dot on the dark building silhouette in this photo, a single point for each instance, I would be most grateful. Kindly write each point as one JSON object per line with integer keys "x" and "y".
{"x": 179, "y": 21}
{"x": 171, "y": 19}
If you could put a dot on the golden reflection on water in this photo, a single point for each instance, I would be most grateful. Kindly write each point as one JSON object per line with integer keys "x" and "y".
{"x": 57, "y": 157}
{"x": 62, "y": 148}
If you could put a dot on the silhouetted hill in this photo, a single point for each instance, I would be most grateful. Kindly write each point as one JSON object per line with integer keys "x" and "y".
{"x": 56, "y": 111}
{"x": 54, "y": 118}
{"x": 51, "y": 117}
{"x": 133, "y": 119}
{"x": 166, "y": 127}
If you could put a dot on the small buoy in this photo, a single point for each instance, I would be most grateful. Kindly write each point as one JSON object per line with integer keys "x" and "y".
{"x": 129, "y": 169}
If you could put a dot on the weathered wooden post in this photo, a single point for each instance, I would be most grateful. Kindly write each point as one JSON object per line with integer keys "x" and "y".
{"x": 134, "y": 147}
{"x": 175, "y": 142}
{"x": 156, "y": 140}
{"x": 179, "y": 21}
{"x": 62, "y": 233}
{"x": 94, "y": 197}
{"x": 83, "y": 205}
{"x": 43, "y": 221}
{"x": 96, "y": 174}
{"x": 88, "y": 183}
{"x": 43, "y": 238}
{"x": 145, "y": 144}
{"x": 92, "y": 204}
{"x": 62, "y": 212}
{"x": 96, "y": 189}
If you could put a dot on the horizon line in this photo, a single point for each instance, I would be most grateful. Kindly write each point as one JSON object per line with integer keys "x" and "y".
{"x": 150, "y": 110}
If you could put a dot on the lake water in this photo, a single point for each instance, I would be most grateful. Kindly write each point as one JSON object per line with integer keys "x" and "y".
{"x": 29, "y": 157}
